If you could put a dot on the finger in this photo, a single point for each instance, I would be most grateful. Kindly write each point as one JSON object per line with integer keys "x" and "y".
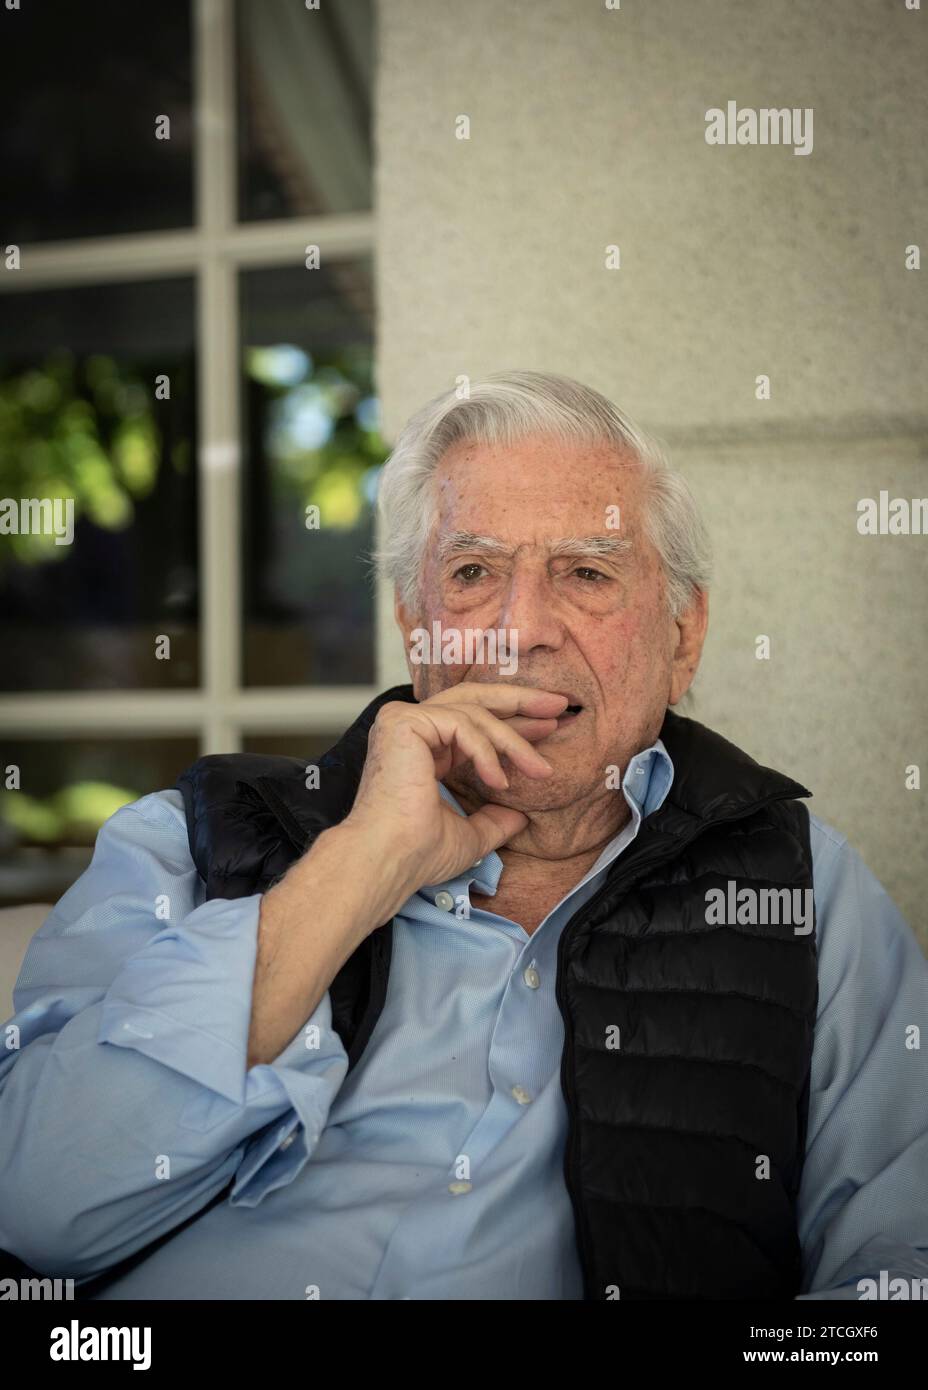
{"x": 503, "y": 699}
{"x": 492, "y": 826}
{"x": 531, "y": 729}
{"x": 508, "y": 740}
{"x": 458, "y": 733}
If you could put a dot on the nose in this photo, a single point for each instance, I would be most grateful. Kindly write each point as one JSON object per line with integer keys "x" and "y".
{"x": 529, "y": 609}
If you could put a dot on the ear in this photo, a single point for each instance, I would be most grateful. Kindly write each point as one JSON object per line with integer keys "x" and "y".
{"x": 691, "y": 634}
{"x": 406, "y": 621}
{"x": 404, "y": 618}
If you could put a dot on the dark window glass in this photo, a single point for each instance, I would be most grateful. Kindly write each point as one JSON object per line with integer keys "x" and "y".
{"x": 67, "y": 789}
{"x": 79, "y": 420}
{"x": 293, "y": 745}
{"x": 82, "y": 86}
{"x": 312, "y": 441}
{"x": 304, "y": 86}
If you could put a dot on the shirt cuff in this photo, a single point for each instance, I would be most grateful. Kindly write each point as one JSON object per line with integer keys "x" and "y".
{"x": 273, "y": 1159}
{"x": 184, "y": 1000}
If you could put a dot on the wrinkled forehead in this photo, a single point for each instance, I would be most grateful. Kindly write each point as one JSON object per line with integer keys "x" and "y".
{"x": 537, "y": 488}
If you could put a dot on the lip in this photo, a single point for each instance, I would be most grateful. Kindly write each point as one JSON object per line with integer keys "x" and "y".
{"x": 569, "y": 696}
{"x": 564, "y": 721}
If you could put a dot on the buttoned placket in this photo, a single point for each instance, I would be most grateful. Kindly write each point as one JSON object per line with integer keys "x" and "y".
{"x": 531, "y": 979}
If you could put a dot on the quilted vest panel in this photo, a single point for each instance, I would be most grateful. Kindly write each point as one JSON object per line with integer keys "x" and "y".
{"x": 686, "y": 1070}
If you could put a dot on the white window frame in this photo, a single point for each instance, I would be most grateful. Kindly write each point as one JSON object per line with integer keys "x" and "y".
{"x": 220, "y": 711}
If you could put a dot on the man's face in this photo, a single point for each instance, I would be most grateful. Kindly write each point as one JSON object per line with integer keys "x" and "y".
{"x": 594, "y": 627}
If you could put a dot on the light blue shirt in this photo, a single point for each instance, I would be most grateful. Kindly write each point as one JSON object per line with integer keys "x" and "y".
{"x": 435, "y": 1169}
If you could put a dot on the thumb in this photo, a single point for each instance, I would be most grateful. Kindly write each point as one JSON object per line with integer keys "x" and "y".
{"x": 493, "y": 825}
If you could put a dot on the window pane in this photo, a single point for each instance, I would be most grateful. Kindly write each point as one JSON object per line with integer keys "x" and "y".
{"x": 304, "y": 87}
{"x": 310, "y": 424}
{"x": 82, "y": 90}
{"x": 67, "y": 789}
{"x": 293, "y": 745}
{"x": 80, "y": 422}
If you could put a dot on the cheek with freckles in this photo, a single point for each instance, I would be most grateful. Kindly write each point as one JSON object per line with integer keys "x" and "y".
{"x": 617, "y": 651}
{"x": 631, "y": 663}
{"x": 431, "y": 678}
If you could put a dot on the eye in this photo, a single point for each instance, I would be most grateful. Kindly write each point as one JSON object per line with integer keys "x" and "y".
{"x": 471, "y": 565}
{"x": 586, "y": 570}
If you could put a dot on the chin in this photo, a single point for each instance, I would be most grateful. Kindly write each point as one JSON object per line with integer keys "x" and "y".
{"x": 527, "y": 794}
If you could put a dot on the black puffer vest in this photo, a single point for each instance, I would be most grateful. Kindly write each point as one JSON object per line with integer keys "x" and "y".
{"x": 686, "y": 1141}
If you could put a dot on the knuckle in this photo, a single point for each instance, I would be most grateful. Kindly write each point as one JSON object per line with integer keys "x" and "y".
{"x": 389, "y": 715}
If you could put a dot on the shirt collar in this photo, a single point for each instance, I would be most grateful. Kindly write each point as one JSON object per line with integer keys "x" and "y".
{"x": 645, "y": 784}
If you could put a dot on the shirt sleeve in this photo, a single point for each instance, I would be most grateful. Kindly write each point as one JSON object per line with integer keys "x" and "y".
{"x": 863, "y": 1201}
{"x": 126, "y": 1101}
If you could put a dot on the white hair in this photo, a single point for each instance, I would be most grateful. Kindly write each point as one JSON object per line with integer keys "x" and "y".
{"x": 506, "y": 408}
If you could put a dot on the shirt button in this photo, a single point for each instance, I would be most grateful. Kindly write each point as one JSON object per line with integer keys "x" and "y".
{"x": 285, "y": 1143}
{"x": 531, "y": 977}
{"x": 521, "y": 1095}
{"x": 444, "y": 901}
{"x": 457, "y": 1189}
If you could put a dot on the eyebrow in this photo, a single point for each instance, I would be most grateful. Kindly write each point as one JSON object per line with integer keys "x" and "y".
{"x": 605, "y": 547}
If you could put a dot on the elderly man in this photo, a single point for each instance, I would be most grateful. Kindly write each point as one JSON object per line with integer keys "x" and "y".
{"x": 520, "y": 993}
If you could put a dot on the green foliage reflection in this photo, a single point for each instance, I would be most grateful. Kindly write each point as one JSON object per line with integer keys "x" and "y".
{"x": 76, "y": 428}
{"x": 321, "y": 429}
